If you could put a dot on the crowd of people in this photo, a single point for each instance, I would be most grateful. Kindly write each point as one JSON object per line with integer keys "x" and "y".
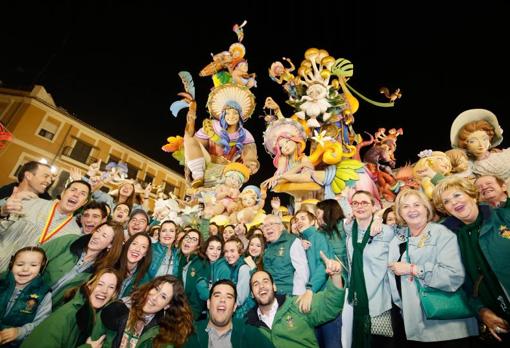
{"x": 82, "y": 272}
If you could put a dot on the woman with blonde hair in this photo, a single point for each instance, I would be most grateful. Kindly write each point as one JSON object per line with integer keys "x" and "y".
{"x": 484, "y": 239}
{"x": 428, "y": 253}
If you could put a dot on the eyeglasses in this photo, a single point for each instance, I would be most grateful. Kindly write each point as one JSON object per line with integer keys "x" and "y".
{"x": 355, "y": 204}
{"x": 269, "y": 225}
{"x": 191, "y": 239}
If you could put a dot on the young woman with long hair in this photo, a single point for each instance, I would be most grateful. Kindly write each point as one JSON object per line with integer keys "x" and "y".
{"x": 71, "y": 324}
{"x": 72, "y": 258}
{"x": 155, "y": 315}
{"x": 164, "y": 252}
{"x": 134, "y": 262}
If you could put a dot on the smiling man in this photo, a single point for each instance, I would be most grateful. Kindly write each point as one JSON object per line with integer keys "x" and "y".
{"x": 278, "y": 316}
{"x": 93, "y": 214}
{"x": 31, "y": 221}
{"x": 33, "y": 177}
{"x": 493, "y": 191}
{"x": 285, "y": 258}
{"x": 221, "y": 331}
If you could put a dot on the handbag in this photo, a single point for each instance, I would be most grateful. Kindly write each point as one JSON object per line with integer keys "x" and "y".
{"x": 381, "y": 324}
{"x": 442, "y": 305}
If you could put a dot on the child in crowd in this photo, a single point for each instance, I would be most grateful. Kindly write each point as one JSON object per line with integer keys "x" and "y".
{"x": 25, "y": 300}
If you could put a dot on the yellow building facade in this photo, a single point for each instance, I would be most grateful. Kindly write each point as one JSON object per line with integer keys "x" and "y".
{"x": 40, "y": 130}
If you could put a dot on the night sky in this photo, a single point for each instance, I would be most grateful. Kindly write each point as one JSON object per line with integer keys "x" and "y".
{"x": 115, "y": 65}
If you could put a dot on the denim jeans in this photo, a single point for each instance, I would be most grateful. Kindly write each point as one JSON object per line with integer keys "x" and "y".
{"x": 329, "y": 334}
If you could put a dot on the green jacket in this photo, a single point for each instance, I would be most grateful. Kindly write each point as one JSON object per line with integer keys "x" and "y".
{"x": 63, "y": 253}
{"x": 318, "y": 276}
{"x": 127, "y": 288}
{"x": 243, "y": 336}
{"x": 196, "y": 283}
{"x": 337, "y": 243}
{"x": 218, "y": 270}
{"x": 25, "y": 307}
{"x": 277, "y": 261}
{"x": 67, "y": 327}
{"x": 494, "y": 242}
{"x": 291, "y": 328}
{"x": 112, "y": 323}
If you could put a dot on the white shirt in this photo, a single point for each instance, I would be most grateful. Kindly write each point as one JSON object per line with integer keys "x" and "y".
{"x": 269, "y": 318}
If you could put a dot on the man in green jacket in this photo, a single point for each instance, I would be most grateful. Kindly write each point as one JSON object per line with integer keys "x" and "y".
{"x": 278, "y": 316}
{"x": 221, "y": 330}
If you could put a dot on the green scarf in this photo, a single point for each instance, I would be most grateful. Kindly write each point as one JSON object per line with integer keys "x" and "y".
{"x": 358, "y": 297}
{"x": 489, "y": 289}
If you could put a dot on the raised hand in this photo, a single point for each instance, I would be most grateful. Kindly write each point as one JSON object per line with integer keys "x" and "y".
{"x": 75, "y": 174}
{"x": 14, "y": 205}
{"x": 96, "y": 344}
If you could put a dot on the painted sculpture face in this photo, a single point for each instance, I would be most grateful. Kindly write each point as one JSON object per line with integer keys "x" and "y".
{"x": 287, "y": 146}
{"x": 478, "y": 143}
{"x": 231, "y": 116}
{"x": 249, "y": 199}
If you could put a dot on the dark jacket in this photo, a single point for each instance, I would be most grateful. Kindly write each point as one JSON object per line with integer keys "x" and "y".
{"x": 243, "y": 336}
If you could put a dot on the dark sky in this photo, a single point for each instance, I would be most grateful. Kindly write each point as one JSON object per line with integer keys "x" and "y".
{"x": 115, "y": 65}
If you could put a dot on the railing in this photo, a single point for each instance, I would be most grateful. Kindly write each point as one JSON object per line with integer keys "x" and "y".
{"x": 68, "y": 152}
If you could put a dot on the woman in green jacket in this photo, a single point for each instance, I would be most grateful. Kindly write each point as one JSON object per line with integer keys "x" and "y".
{"x": 134, "y": 263}
{"x": 72, "y": 258}
{"x": 240, "y": 273}
{"x": 71, "y": 324}
{"x": 218, "y": 267}
{"x": 194, "y": 272}
{"x": 330, "y": 218}
{"x": 156, "y": 315}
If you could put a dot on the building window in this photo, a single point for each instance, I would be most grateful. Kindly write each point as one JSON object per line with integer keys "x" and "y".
{"x": 81, "y": 151}
{"x": 46, "y": 134}
{"x": 149, "y": 179}
{"x": 16, "y": 172}
{"x": 113, "y": 158}
{"x": 169, "y": 188}
{"x": 48, "y": 129}
{"x": 132, "y": 171}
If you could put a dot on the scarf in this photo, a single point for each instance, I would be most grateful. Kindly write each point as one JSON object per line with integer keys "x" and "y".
{"x": 358, "y": 297}
{"x": 486, "y": 284}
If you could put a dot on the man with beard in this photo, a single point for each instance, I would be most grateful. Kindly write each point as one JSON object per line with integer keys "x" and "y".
{"x": 278, "y": 316}
{"x": 35, "y": 221}
{"x": 221, "y": 331}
